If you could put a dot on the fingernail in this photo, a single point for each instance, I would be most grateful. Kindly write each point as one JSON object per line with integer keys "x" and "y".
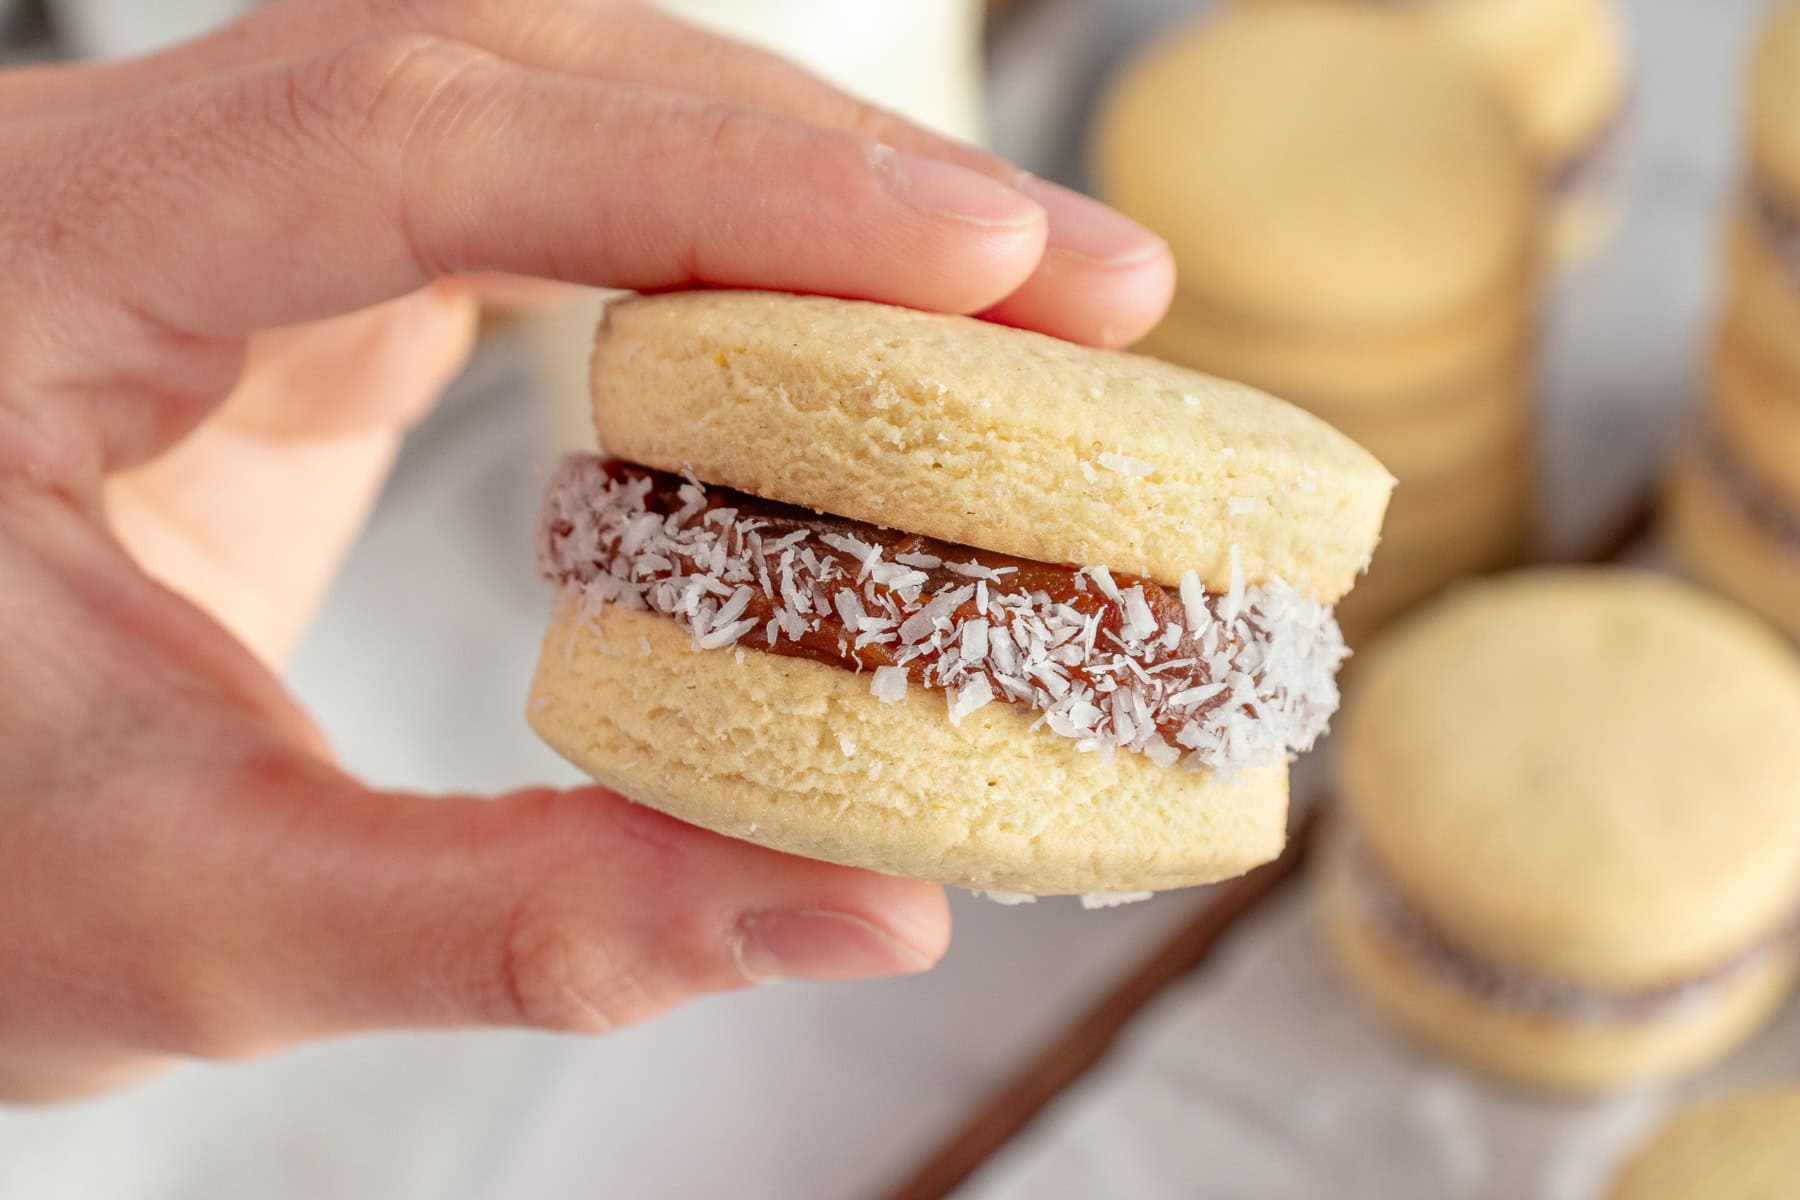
{"x": 946, "y": 190}
{"x": 1083, "y": 226}
{"x": 820, "y": 945}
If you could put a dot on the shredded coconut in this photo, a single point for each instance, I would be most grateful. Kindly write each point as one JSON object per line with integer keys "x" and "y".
{"x": 1009, "y": 899}
{"x": 1124, "y": 464}
{"x": 1214, "y": 682}
{"x": 1095, "y": 900}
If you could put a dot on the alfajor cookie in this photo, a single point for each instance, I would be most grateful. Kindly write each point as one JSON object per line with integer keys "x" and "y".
{"x": 1728, "y": 529}
{"x": 938, "y": 598}
{"x": 1567, "y": 851}
{"x": 1744, "y": 1146}
{"x": 1764, "y": 236}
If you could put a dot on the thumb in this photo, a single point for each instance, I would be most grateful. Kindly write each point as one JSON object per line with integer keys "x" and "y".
{"x": 575, "y": 911}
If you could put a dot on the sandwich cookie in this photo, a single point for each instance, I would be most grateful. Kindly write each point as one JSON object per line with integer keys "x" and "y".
{"x": 1738, "y": 1147}
{"x": 1732, "y": 510}
{"x": 1567, "y": 851}
{"x": 1764, "y": 237}
{"x": 938, "y": 598}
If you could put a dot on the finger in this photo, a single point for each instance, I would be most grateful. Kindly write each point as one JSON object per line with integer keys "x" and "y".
{"x": 311, "y": 429}
{"x": 1104, "y": 279}
{"x": 334, "y": 910}
{"x": 296, "y": 192}
{"x": 376, "y": 370}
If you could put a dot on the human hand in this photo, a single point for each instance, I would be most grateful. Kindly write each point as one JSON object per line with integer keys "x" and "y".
{"x": 236, "y": 272}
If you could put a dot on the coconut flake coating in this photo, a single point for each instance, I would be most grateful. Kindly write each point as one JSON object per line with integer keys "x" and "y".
{"x": 1220, "y": 682}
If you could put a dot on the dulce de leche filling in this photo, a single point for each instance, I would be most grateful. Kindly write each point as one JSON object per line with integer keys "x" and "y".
{"x": 1399, "y": 921}
{"x": 1215, "y": 681}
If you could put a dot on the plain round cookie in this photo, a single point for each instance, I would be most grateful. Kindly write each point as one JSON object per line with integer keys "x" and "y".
{"x": 1713, "y": 542}
{"x": 991, "y": 437}
{"x": 1528, "y": 1049}
{"x": 1407, "y": 573}
{"x": 1737, "y": 1147}
{"x": 1461, "y": 502}
{"x": 1320, "y": 163}
{"x": 1563, "y": 65}
{"x": 1764, "y": 301}
{"x": 800, "y": 757}
{"x": 1773, "y": 103}
{"x": 1391, "y": 369}
{"x": 1441, "y": 440}
{"x": 1757, "y": 413}
{"x": 1500, "y": 750}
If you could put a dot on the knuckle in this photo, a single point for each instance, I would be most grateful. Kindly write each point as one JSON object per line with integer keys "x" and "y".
{"x": 380, "y": 87}
{"x": 725, "y": 133}
{"x": 554, "y": 977}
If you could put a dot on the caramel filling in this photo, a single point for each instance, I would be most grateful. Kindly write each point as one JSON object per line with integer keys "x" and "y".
{"x": 1399, "y": 921}
{"x": 1182, "y": 675}
{"x": 1765, "y": 509}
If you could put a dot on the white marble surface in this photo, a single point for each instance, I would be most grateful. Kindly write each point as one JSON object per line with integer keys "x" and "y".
{"x": 418, "y": 671}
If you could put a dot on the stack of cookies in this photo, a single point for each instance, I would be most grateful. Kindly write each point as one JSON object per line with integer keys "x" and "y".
{"x": 1355, "y": 220}
{"x": 1734, "y": 497}
{"x": 1564, "y": 69}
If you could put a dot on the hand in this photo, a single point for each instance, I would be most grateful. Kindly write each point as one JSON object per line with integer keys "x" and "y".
{"x": 235, "y": 272}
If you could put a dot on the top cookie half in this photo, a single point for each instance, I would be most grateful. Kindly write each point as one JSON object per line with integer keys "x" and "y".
{"x": 987, "y": 436}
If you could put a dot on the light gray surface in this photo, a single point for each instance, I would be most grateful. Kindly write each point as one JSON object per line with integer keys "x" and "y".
{"x": 1264, "y": 1080}
{"x": 418, "y": 671}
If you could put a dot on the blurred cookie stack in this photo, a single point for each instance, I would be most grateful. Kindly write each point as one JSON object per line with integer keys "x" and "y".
{"x": 1564, "y": 69}
{"x": 1733, "y": 516}
{"x": 1356, "y": 223}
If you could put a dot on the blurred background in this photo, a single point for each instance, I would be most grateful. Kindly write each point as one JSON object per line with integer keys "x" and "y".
{"x": 419, "y": 666}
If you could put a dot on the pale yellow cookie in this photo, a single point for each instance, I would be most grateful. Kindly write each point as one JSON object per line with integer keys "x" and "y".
{"x": 1320, "y": 164}
{"x": 1743, "y": 1146}
{"x": 800, "y": 757}
{"x": 1712, "y": 539}
{"x": 1582, "y": 773}
{"x": 1763, "y": 296}
{"x": 1519, "y": 1045}
{"x": 992, "y": 437}
{"x": 1757, "y": 412}
{"x": 1564, "y": 69}
{"x": 1351, "y": 368}
{"x": 1450, "y": 528}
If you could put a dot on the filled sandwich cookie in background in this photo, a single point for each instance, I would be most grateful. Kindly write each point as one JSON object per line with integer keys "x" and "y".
{"x": 942, "y": 599}
{"x": 1356, "y": 222}
{"x": 1764, "y": 234}
{"x": 1564, "y": 69}
{"x": 1567, "y": 851}
{"x": 1736, "y": 1147}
